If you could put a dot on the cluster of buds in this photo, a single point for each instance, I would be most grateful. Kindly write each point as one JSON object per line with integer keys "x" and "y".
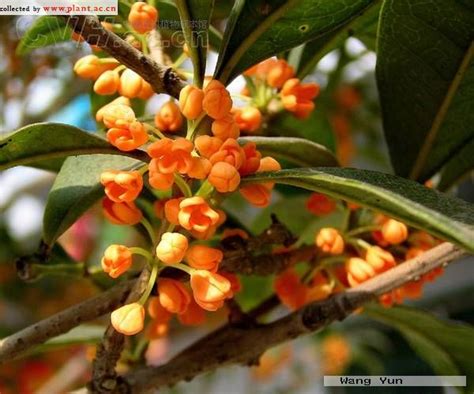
{"x": 190, "y": 171}
{"x": 350, "y": 257}
{"x": 276, "y": 86}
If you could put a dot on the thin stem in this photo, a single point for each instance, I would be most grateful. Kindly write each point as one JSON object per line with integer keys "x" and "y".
{"x": 359, "y": 242}
{"x": 205, "y": 190}
{"x": 141, "y": 252}
{"x": 155, "y": 131}
{"x": 151, "y": 283}
{"x": 183, "y": 186}
{"x": 149, "y": 229}
{"x": 143, "y": 170}
{"x": 184, "y": 268}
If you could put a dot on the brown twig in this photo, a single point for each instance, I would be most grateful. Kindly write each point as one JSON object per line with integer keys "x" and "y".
{"x": 162, "y": 79}
{"x": 236, "y": 345}
{"x": 104, "y": 376}
{"x": 60, "y": 323}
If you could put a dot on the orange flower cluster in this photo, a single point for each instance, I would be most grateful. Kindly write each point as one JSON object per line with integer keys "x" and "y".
{"x": 347, "y": 261}
{"x": 276, "y": 75}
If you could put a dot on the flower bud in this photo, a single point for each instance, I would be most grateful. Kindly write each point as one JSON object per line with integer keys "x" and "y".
{"x": 169, "y": 118}
{"x": 252, "y": 159}
{"x": 217, "y": 102}
{"x": 130, "y": 84}
{"x": 143, "y": 17}
{"x": 172, "y": 248}
{"x": 157, "y": 312}
{"x": 290, "y": 290}
{"x": 229, "y": 152}
{"x": 224, "y": 177}
{"x": 123, "y": 213}
{"x": 225, "y": 128}
{"x": 207, "y": 146}
{"x": 329, "y": 240}
{"x": 298, "y": 97}
{"x": 210, "y": 290}
{"x": 91, "y": 67}
{"x": 381, "y": 260}
{"x": 394, "y": 232}
{"x": 200, "y": 168}
{"x": 129, "y": 319}
{"x": 257, "y": 194}
{"x": 203, "y": 257}
{"x": 108, "y": 83}
{"x": 158, "y": 180}
{"x": 117, "y": 260}
{"x": 358, "y": 271}
{"x": 117, "y": 113}
{"x": 320, "y": 204}
{"x": 121, "y": 186}
{"x": 173, "y": 295}
{"x": 190, "y": 101}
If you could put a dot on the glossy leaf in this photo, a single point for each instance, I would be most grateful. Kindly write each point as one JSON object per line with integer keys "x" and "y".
{"x": 76, "y": 188}
{"x": 459, "y": 166}
{"x": 259, "y": 29}
{"x": 46, "y": 145}
{"x": 315, "y": 128}
{"x": 195, "y": 18}
{"x": 83, "y": 334}
{"x": 445, "y": 345}
{"x": 425, "y": 77}
{"x": 44, "y": 31}
{"x": 298, "y": 151}
{"x": 363, "y": 27}
{"x": 446, "y": 217}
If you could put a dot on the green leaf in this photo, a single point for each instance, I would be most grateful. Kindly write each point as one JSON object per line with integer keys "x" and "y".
{"x": 425, "y": 77}
{"x": 445, "y": 345}
{"x": 76, "y": 188}
{"x": 45, "y": 30}
{"x": 315, "y": 128}
{"x": 446, "y": 217}
{"x": 259, "y": 29}
{"x": 83, "y": 334}
{"x": 46, "y": 145}
{"x": 298, "y": 151}
{"x": 459, "y": 166}
{"x": 363, "y": 27}
{"x": 195, "y": 19}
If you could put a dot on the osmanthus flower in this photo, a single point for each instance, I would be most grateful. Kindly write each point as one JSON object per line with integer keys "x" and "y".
{"x": 319, "y": 289}
{"x": 172, "y": 248}
{"x": 173, "y": 295}
{"x": 279, "y": 73}
{"x": 133, "y": 85}
{"x": 207, "y": 145}
{"x": 320, "y": 204}
{"x": 157, "y": 312}
{"x": 229, "y": 152}
{"x": 261, "y": 69}
{"x": 247, "y": 119}
{"x": 358, "y": 271}
{"x": 205, "y": 235}
{"x": 252, "y": 159}
{"x": 129, "y": 137}
{"x": 290, "y": 290}
{"x": 190, "y": 102}
{"x": 171, "y": 210}
{"x": 204, "y": 257}
{"x": 108, "y": 83}
{"x": 168, "y": 118}
{"x": 172, "y": 155}
{"x": 124, "y": 213}
{"x": 193, "y": 316}
{"x": 225, "y": 128}
{"x": 217, "y": 102}
{"x": 380, "y": 259}
{"x": 117, "y": 260}
{"x": 224, "y": 177}
{"x": 259, "y": 194}
{"x": 235, "y": 285}
{"x": 117, "y": 113}
{"x": 330, "y": 240}
{"x": 210, "y": 290}
{"x": 122, "y": 186}
{"x": 394, "y": 232}
{"x": 129, "y": 319}
{"x": 92, "y": 67}
{"x": 298, "y": 97}
{"x": 142, "y": 17}
{"x": 196, "y": 214}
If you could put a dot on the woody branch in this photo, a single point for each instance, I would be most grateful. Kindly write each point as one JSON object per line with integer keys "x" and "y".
{"x": 236, "y": 345}
{"x": 163, "y": 79}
